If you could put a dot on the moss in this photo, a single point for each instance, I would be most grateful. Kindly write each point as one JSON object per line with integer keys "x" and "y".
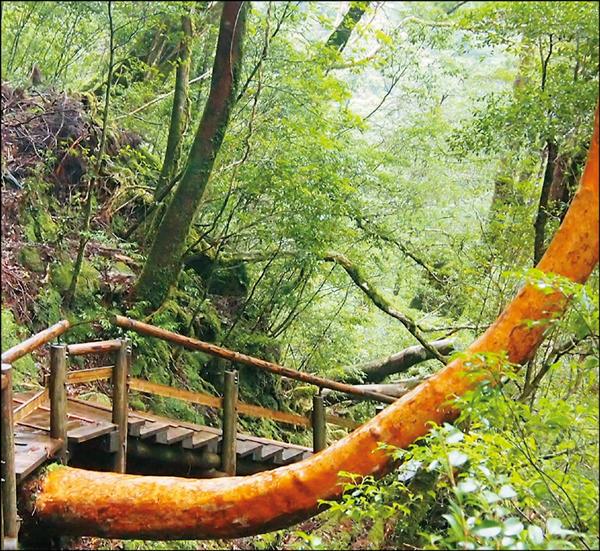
{"x": 39, "y": 226}
{"x": 122, "y": 268}
{"x": 62, "y": 272}
{"x": 24, "y": 369}
{"x": 31, "y": 259}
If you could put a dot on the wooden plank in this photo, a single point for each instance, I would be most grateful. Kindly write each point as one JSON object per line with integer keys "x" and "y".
{"x": 194, "y": 426}
{"x": 28, "y": 407}
{"x": 98, "y": 347}
{"x": 33, "y": 450}
{"x": 84, "y": 433}
{"x": 89, "y": 375}
{"x": 42, "y": 412}
{"x": 170, "y": 392}
{"x": 173, "y": 435}
{"x": 289, "y": 455}
{"x": 342, "y": 422}
{"x": 213, "y": 401}
{"x": 267, "y": 452}
{"x": 134, "y": 424}
{"x": 151, "y": 429}
{"x": 35, "y": 341}
{"x": 246, "y": 447}
{"x": 200, "y": 439}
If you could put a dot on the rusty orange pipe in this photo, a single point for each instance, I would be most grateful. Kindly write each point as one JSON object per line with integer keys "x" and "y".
{"x": 80, "y": 502}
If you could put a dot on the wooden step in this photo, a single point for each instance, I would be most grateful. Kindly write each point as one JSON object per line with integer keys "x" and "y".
{"x": 267, "y": 452}
{"x": 246, "y": 447}
{"x": 32, "y": 449}
{"x": 89, "y": 431}
{"x": 289, "y": 455}
{"x": 152, "y": 429}
{"x": 173, "y": 435}
{"x": 201, "y": 439}
{"x": 134, "y": 424}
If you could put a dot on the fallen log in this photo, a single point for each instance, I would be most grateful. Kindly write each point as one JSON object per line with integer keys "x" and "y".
{"x": 377, "y": 370}
{"x": 78, "y": 502}
{"x": 395, "y": 390}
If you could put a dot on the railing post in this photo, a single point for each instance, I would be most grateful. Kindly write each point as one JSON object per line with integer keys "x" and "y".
{"x": 318, "y": 424}
{"x": 120, "y": 403}
{"x": 230, "y": 396}
{"x": 10, "y": 518}
{"x": 58, "y": 398}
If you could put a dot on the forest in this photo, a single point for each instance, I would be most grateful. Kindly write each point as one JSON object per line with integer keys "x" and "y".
{"x": 342, "y": 255}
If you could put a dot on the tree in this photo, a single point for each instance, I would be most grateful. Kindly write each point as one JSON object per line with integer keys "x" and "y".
{"x": 163, "y": 264}
{"x": 179, "y": 113}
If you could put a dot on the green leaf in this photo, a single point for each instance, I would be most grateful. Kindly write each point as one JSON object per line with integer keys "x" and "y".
{"x": 507, "y": 492}
{"x": 488, "y": 529}
{"x": 536, "y": 535}
{"x": 468, "y": 485}
{"x": 513, "y": 526}
{"x": 457, "y": 458}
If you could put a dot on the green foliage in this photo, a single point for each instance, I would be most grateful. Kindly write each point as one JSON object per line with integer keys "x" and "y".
{"x": 24, "y": 369}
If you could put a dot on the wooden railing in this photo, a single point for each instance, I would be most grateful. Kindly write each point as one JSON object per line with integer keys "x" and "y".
{"x": 119, "y": 373}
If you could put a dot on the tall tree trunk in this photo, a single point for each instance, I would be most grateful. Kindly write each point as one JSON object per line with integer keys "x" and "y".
{"x": 542, "y": 212}
{"x": 339, "y": 38}
{"x": 163, "y": 264}
{"x": 179, "y": 113}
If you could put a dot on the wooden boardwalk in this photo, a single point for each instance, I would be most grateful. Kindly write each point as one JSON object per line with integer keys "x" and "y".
{"x": 89, "y": 421}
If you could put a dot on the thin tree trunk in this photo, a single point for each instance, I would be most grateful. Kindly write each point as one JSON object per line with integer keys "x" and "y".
{"x": 179, "y": 113}
{"x": 542, "y": 212}
{"x": 90, "y": 191}
{"x": 378, "y": 300}
{"x": 163, "y": 264}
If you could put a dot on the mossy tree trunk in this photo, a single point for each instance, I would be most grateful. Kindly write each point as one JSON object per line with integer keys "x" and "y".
{"x": 179, "y": 113}
{"x": 163, "y": 264}
{"x": 542, "y": 212}
{"x": 340, "y": 36}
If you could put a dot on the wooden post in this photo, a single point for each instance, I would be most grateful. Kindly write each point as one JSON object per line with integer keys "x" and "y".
{"x": 230, "y": 396}
{"x": 120, "y": 403}
{"x": 58, "y": 398}
{"x": 10, "y": 528}
{"x": 319, "y": 426}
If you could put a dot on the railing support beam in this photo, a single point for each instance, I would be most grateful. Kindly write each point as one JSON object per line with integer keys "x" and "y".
{"x": 120, "y": 403}
{"x": 230, "y": 396}
{"x": 58, "y": 399}
{"x": 10, "y": 518}
{"x": 319, "y": 426}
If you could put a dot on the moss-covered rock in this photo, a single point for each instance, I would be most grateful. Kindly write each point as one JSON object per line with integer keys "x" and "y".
{"x": 62, "y": 272}
{"x": 31, "y": 259}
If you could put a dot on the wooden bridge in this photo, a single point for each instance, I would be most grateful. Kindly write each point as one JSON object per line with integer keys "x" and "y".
{"x": 48, "y": 425}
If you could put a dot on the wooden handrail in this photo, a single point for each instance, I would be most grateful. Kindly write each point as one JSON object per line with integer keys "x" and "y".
{"x": 214, "y": 350}
{"x": 28, "y": 407}
{"x": 89, "y": 375}
{"x": 97, "y": 347}
{"x": 35, "y": 341}
{"x": 247, "y": 409}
